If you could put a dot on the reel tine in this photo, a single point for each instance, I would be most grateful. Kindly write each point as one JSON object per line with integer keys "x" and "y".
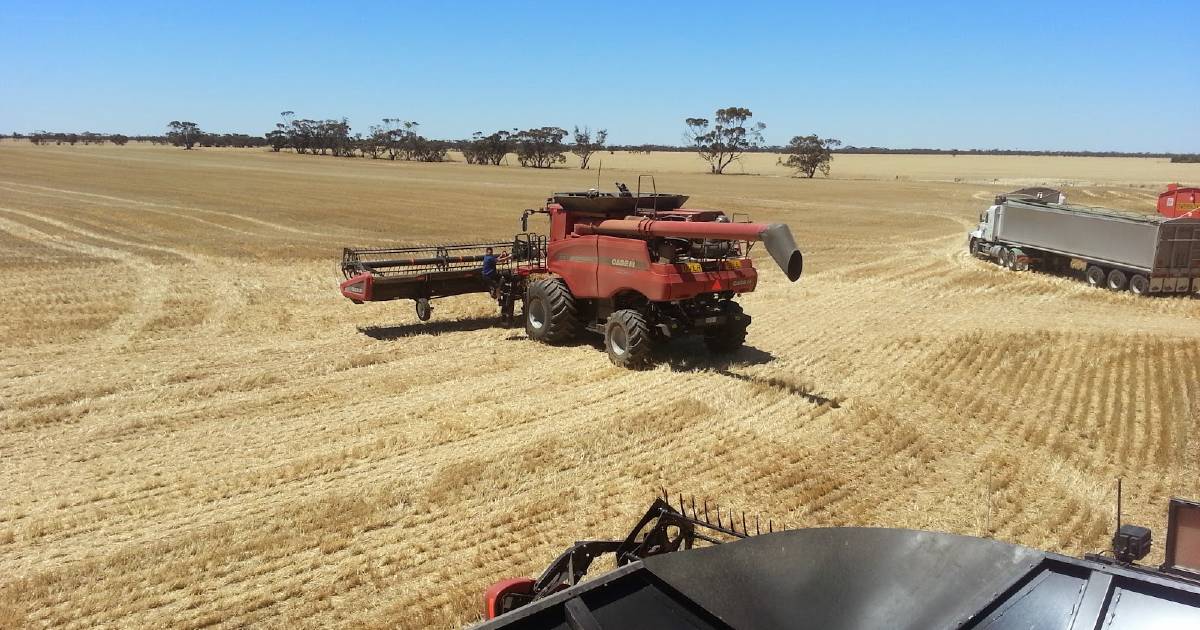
{"x": 744, "y": 529}
{"x": 757, "y": 529}
{"x": 693, "y": 506}
{"x": 706, "y": 512}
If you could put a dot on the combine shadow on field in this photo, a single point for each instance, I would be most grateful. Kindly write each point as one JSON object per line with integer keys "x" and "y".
{"x": 692, "y": 356}
{"x": 786, "y": 386}
{"x": 389, "y": 333}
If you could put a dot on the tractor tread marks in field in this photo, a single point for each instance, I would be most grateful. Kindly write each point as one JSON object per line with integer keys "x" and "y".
{"x": 561, "y": 314}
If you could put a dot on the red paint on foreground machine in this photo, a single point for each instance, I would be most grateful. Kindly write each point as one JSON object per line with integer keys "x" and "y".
{"x": 639, "y": 269}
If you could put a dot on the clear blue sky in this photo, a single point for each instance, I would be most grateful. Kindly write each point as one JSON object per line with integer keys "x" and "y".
{"x": 1094, "y": 75}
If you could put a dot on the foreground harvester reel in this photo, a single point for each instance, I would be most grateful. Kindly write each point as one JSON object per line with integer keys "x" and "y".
{"x": 852, "y": 578}
{"x": 663, "y": 529}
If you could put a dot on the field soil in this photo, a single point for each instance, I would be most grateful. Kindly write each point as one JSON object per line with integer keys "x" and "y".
{"x": 197, "y": 430}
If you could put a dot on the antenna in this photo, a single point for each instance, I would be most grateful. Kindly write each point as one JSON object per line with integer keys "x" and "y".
{"x": 1118, "y": 504}
{"x": 598, "y": 169}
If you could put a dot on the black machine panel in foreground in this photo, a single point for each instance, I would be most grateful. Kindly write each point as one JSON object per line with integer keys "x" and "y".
{"x": 833, "y": 578}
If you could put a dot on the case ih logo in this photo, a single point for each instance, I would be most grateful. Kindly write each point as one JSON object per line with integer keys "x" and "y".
{"x": 623, "y": 262}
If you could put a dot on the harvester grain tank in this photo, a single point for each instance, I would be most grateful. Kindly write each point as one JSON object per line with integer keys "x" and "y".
{"x": 637, "y": 269}
{"x": 1116, "y": 249}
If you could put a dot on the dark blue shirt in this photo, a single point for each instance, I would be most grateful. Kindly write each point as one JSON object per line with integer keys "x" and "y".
{"x": 489, "y": 265}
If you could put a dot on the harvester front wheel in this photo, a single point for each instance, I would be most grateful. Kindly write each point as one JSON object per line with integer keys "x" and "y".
{"x": 550, "y": 312}
{"x": 732, "y": 334}
{"x": 627, "y": 339}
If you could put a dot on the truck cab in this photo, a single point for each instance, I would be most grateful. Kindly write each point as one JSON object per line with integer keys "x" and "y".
{"x": 985, "y": 232}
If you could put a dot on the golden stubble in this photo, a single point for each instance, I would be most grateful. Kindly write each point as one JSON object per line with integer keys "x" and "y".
{"x": 196, "y": 429}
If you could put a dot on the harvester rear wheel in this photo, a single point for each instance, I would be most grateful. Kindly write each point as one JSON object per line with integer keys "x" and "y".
{"x": 627, "y": 339}
{"x": 550, "y": 312}
{"x": 732, "y": 334}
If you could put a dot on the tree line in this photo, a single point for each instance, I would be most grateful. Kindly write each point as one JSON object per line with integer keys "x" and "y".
{"x": 71, "y": 138}
{"x": 398, "y": 139}
{"x": 720, "y": 142}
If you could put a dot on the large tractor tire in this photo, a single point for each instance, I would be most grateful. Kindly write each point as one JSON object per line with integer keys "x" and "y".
{"x": 550, "y": 312}
{"x": 627, "y": 339}
{"x": 732, "y": 334}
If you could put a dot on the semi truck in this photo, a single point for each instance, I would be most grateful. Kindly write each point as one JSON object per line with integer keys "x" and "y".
{"x": 1115, "y": 249}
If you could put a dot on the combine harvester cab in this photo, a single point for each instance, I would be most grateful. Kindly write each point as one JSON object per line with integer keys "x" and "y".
{"x": 637, "y": 269}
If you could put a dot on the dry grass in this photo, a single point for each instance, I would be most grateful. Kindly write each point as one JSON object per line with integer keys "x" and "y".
{"x": 195, "y": 429}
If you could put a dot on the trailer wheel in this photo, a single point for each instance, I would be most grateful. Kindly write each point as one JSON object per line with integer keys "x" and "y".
{"x": 1095, "y": 276}
{"x": 1006, "y": 258}
{"x": 627, "y": 339}
{"x": 550, "y": 312}
{"x": 730, "y": 336}
{"x": 1117, "y": 280}
{"x": 1139, "y": 284}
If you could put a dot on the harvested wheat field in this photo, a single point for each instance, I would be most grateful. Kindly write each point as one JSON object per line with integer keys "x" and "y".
{"x": 197, "y": 430}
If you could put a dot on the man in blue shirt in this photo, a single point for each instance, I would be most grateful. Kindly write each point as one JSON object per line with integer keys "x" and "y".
{"x": 490, "y": 276}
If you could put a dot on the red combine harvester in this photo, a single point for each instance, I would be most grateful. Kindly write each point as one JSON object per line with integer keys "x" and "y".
{"x": 638, "y": 269}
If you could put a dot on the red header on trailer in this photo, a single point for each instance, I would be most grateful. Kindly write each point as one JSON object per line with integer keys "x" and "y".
{"x": 1176, "y": 201}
